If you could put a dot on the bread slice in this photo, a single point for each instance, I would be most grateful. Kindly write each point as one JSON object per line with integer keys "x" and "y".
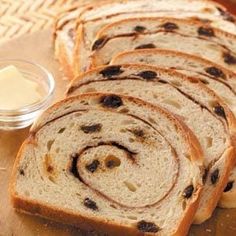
{"x": 65, "y": 170}
{"x": 220, "y": 80}
{"x": 214, "y": 76}
{"x": 205, "y": 114}
{"x": 64, "y": 37}
{"x": 100, "y": 15}
{"x": 189, "y": 36}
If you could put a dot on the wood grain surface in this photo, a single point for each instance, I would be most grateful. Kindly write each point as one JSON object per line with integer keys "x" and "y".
{"x": 34, "y": 48}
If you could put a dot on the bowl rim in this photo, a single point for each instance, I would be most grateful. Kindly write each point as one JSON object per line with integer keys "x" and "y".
{"x": 38, "y": 105}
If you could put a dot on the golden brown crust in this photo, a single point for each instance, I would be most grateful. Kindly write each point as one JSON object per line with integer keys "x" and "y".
{"x": 76, "y": 54}
{"x": 90, "y": 223}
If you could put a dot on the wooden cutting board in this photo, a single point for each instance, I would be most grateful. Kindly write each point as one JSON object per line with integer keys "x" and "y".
{"x": 36, "y": 48}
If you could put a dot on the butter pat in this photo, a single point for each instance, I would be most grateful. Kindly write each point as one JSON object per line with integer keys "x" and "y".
{"x": 16, "y": 91}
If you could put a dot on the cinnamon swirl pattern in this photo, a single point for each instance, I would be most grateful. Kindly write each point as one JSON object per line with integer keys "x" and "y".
{"x": 111, "y": 163}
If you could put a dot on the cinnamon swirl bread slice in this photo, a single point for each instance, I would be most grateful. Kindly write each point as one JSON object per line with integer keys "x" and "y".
{"x": 110, "y": 163}
{"x": 189, "y": 36}
{"x": 220, "y": 80}
{"x": 100, "y": 15}
{"x": 199, "y": 107}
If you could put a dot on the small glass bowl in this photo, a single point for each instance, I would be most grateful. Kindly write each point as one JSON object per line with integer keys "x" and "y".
{"x": 24, "y": 117}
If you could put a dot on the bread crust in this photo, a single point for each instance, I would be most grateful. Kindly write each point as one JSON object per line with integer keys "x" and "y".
{"x": 59, "y": 43}
{"x": 96, "y": 223}
{"x": 63, "y": 58}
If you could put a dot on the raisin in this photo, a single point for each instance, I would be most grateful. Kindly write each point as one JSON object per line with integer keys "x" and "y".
{"x": 219, "y": 110}
{"x": 111, "y": 71}
{"x": 206, "y": 31}
{"x": 227, "y": 16}
{"x": 215, "y": 176}
{"x": 148, "y": 74}
{"x": 90, "y": 204}
{"x": 93, "y": 166}
{"x": 145, "y": 226}
{"x": 110, "y": 164}
{"x": 139, "y": 28}
{"x": 169, "y": 26}
{"x": 22, "y": 172}
{"x": 99, "y": 43}
{"x": 229, "y": 186}
{"x": 91, "y": 128}
{"x": 73, "y": 168}
{"x": 138, "y": 132}
{"x": 215, "y": 72}
{"x": 188, "y": 192}
{"x": 143, "y": 46}
{"x": 112, "y": 101}
{"x": 50, "y": 169}
{"x": 204, "y": 177}
{"x": 229, "y": 59}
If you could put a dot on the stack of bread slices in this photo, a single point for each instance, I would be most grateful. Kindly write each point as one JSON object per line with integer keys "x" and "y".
{"x": 144, "y": 143}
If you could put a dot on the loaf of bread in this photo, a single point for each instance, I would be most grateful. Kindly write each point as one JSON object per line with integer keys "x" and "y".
{"x": 110, "y": 163}
{"x": 189, "y": 36}
{"x": 199, "y": 107}
{"x": 220, "y": 80}
{"x": 91, "y": 18}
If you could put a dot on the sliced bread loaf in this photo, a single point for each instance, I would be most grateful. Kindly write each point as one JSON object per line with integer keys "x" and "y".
{"x": 67, "y": 167}
{"x": 100, "y": 15}
{"x": 189, "y": 36}
{"x": 210, "y": 119}
{"x": 220, "y": 80}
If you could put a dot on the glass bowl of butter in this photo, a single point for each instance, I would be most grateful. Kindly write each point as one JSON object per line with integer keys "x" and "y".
{"x": 26, "y": 89}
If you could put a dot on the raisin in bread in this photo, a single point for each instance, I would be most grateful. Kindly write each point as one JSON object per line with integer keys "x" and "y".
{"x": 189, "y": 36}
{"x": 99, "y": 15}
{"x": 199, "y": 107}
{"x": 220, "y": 80}
{"x": 66, "y": 169}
